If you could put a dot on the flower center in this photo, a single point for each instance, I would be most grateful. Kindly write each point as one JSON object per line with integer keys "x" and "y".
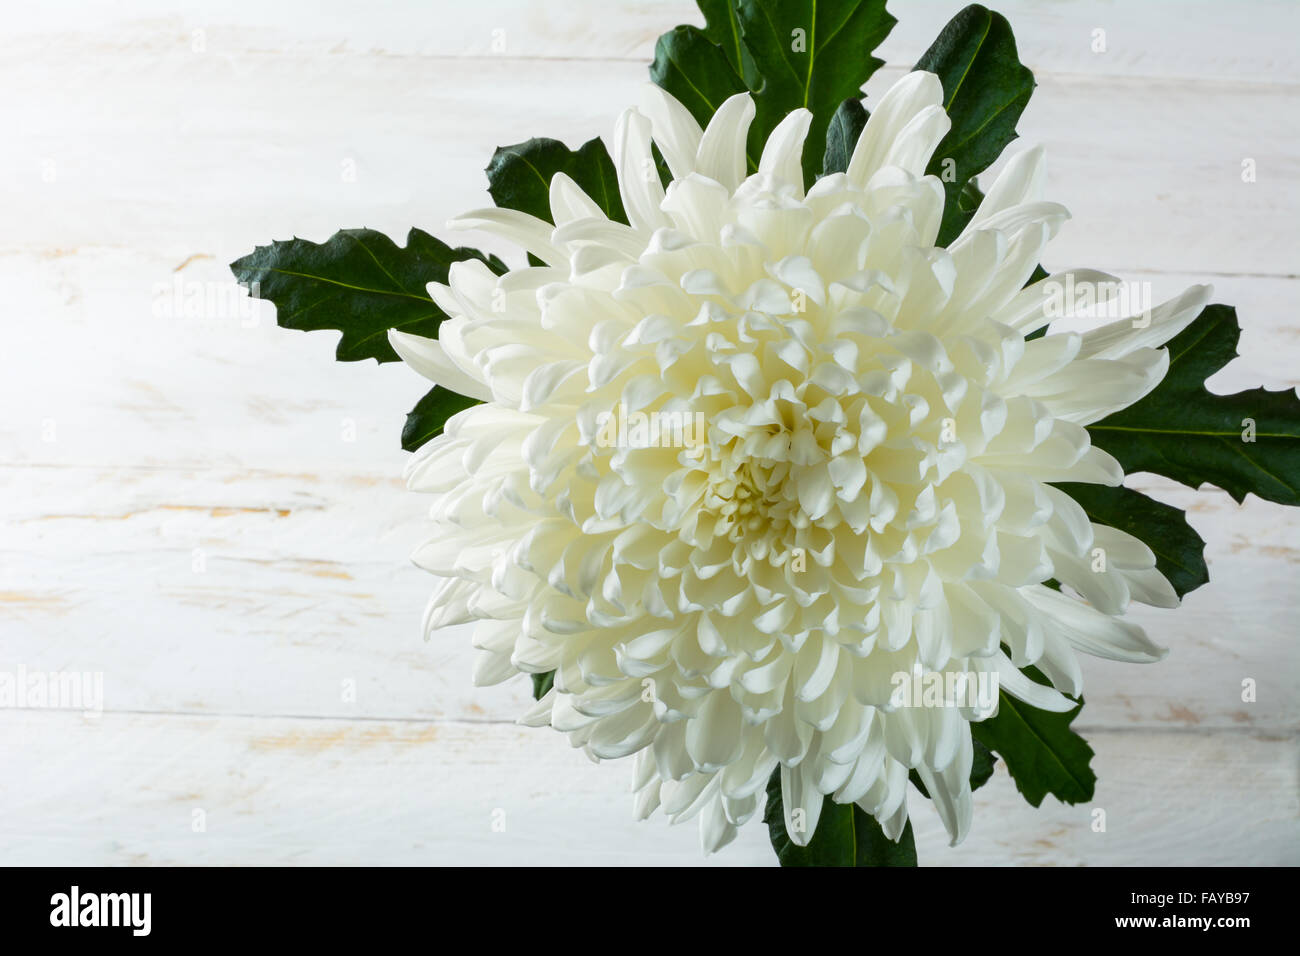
{"x": 750, "y": 500}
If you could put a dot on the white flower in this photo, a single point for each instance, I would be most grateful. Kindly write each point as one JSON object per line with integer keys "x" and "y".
{"x": 870, "y": 493}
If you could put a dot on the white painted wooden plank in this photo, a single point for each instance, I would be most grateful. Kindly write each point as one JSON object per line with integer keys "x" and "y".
{"x": 189, "y": 156}
{"x": 232, "y": 592}
{"x": 1242, "y": 40}
{"x": 127, "y": 376}
{"x": 123, "y": 789}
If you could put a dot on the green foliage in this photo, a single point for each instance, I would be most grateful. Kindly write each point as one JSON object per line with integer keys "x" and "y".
{"x": 985, "y": 89}
{"x": 1042, "y": 754}
{"x": 1179, "y": 550}
{"x": 519, "y": 176}
{"x": 846, "y": 835}
{"x": 542, "y": 683}
{"x": 812, "y": 54}
{"x": 1184, "y": 432}
{"x": 426, "y": 420}
{"x": 696, "y": 72}
{"x": 358, "y": 281}
{"x": 842, "y": 135}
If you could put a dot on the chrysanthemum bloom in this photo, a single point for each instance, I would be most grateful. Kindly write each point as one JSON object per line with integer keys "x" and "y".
{"x": 870, "y": 493}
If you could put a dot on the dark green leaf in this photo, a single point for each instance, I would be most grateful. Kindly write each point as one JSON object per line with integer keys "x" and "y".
{"x": 722, "y": 26}
{"x": 981, "y": 769}
{"x": 359, "y": 282}
{"x": 845, "y": 836}
{"x": 985, "y": 89}
{"x": 1182, "y": 431}
{"x": 1039, "y": 274}
{"x": 813, "y": 54}
{"x": 542, "y": 683}
{"x": 969, "y": 199}
{"x": 1042, "y": 754}
{"x": 519, "y": 176}
{"x": 1179, "y": 550}
{"x": 430, "y": 413}
{"x": 696, "y": 71}
{"x": 842, "y": 135}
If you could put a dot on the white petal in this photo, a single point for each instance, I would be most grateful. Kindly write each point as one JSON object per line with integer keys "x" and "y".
{"x": 674, "y": 129}
{"x": 1014, "y": 682}
{"x": 1021, "y": 181}
{"x": 638, "y": 179}
{"x": 569, "y": 202}
{"x": 801, "y": 802}
{"x": 716, "y": 831}
{"x": 904, "y": 100}
{"x": 783, "y": 154}
{"x": 427, "y": 357}
{"x": 916, "y": 141}
{"x": 1093, "y": 632}
{"x": 1124, "y": 336}
{"x": 721, "y": 155}
{"x": 525, "y": 231}
{"x": 1046, "y": 300}
{"x": 1151, "y": 587}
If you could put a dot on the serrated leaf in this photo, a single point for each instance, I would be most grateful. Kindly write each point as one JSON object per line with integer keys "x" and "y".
{"x": 1179, "y": 550}
{"x": 519, "y": 176}
{"x": 813, "y": 54}
{"x": 842, "y": 136}
{"x": 985, "y": 89}
{"x": 722, "y": 26}
{"x": 981, "y": 769}
{"x": 542, "y": 683}
{"x": 696, "y": 71}
{"x": 1184, "y": 432}
{"x": 359, "y": 282}
{"x": 846, "y": 835}
{"x": 426, "y": 420}
{"x": 1042, "y": 754}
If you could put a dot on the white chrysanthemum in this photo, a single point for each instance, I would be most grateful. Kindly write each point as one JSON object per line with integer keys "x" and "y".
{"x": 871, "y": 408}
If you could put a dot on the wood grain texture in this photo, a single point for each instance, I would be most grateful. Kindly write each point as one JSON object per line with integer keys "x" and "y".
{"x": 293, "y": 791}
{"x": 1195, "y": 39}
{"x": 209, "y": 510}
{"x": 191, "y": 158}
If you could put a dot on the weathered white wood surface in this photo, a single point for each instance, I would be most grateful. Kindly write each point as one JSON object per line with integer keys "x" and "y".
{"x": 207, "y": 509}
{"x": 294, "y": 790}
